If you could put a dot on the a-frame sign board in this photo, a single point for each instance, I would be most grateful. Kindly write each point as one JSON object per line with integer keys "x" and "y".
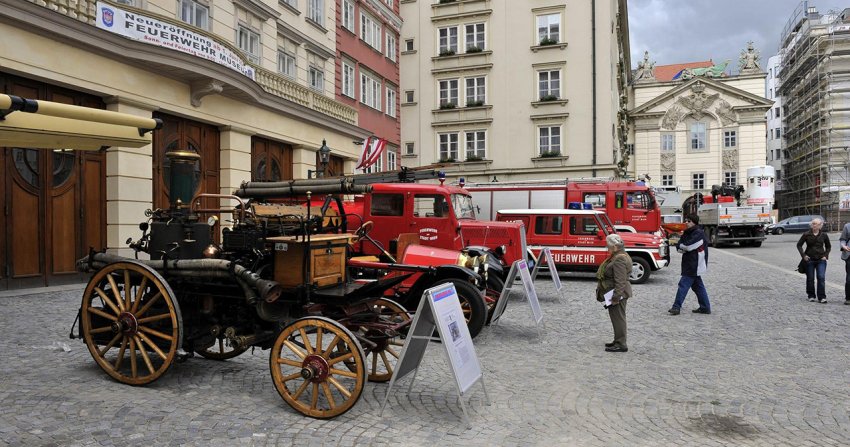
{"x": 546, "y": 256}
{"x": 521, "y": 268}
{"x": 440, "y": 308}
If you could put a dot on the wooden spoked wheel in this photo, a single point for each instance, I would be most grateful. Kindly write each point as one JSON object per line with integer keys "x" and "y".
{"x": 308, "y": 366}
{"x": 381, "y": 360}
{"x": 221, "y": 350}
{"x": 131, "y": 322}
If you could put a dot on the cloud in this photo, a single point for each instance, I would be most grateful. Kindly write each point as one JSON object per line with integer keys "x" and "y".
{"x": 679, "y": 31}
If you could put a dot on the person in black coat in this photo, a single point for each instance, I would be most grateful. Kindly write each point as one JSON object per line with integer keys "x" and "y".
{"x": 815, "y": 256}
{"x": 694, "y": 248}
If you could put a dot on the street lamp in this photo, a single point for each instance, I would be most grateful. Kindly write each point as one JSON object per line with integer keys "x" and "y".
{"x": 324, "y": 158}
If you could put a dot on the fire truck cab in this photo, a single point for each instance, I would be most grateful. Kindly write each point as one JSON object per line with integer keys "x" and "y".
{"x": 577, "y": 240}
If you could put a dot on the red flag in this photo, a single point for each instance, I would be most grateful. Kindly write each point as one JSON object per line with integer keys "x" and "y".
{"x": 378, "y": 145}
{"x": 364, "y": 154}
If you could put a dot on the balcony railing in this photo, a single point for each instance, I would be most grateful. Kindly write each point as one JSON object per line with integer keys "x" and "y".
{"x": 271, "y": 82}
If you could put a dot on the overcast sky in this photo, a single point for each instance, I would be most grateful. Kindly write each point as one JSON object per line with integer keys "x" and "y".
{"x": 676, "y": 31}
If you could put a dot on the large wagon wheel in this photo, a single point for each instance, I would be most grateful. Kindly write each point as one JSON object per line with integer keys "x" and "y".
{"x": 308, "y": 370}
{"x": 129, "y": 308}
{"x": 381, "y": 360}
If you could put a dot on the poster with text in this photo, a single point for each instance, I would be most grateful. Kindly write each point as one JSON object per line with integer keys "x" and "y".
{"x": 455, "y": 335}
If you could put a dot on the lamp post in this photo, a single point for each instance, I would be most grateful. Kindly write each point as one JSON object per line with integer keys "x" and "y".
{"x": 324, "y": 158}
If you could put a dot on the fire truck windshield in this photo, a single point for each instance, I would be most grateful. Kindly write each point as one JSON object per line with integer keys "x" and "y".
{"x": 463, "y": 206}
{"x": 606, "y": 221}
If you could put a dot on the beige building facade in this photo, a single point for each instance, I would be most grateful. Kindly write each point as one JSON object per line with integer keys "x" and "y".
{"x": 510, "y": 90}
{"x": 699, "y": 132}
{"x": 248, "y": 84}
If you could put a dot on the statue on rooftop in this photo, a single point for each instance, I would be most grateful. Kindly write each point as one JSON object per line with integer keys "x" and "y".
{"x": 715, "y": 71}
{"x": 749, "y": 60}
{"x": 645, "y": 70}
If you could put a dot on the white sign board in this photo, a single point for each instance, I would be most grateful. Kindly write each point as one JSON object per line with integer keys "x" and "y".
{"x": 163, "y": 34}
{"x": 440, "y": 309}
{"x": 546, "y": 255}
{"x": 521, "y": 268}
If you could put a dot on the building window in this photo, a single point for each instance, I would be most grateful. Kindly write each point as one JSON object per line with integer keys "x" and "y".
{"x": 776, "y": 112}
{"x": 347, "y": 80}
{"x": 409, "y": 148}
{"x": 698, "y": 136}
{"x": 698, "y": 180}
{"x": 730, "y": 138}
{"x": 317, "y": 79}
{"x": 409, "y": 96}
{"x": 549, "y": 29}
{"x": 549, "y": 140}
{"x": 286, "y": 63}
{"x": 448, "y": 93}
{"x": 249, "y": 42}
{"x": 668, "y": 142}
{"x": 293, "y": 3}
{"x": 370, "y": 91}
{"x": 370, "y": 31}
{"x": 392, "y": 165}
{"x": 448, "y": 147}
{"x": 475, "y": 37}
{"x": 476, "y": 145}
{"x": 408, "y": 45}
{"x": 448, "y": 41}
{"x": 348, "y": 14}
{"x": 391, "y": 47}
{"x": 475, "y": 92}
{"x": 316, "y": 11}
{"x": 377, "y": 167}
{"x": 194, "y": 13}
{"x": 391, "y": 99}
{"x": 666, "y": 179}
{"x": 730, "y": 178}
{"x": 389, "y": 3}
{"x": 549, "y": 85}
{"x": 778, "y": 135}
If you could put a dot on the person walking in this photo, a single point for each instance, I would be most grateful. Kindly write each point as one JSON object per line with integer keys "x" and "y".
{"x": 613, "y": 277}
{"x": 844, "y": 240}
{"x": 816, "y": 254}
{"x": 694, "y": 248}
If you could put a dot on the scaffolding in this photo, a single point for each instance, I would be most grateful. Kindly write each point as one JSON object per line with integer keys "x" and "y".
{"x": 814, "y": 82}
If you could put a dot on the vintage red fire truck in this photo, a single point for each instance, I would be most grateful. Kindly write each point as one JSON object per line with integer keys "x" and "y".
{"x": 435, "y": 216}
{"x": 631, "y": 205}
{"x": 577, "y": 240}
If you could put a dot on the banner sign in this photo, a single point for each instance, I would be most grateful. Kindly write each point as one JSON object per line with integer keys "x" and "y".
{"x": 163, "y": 34}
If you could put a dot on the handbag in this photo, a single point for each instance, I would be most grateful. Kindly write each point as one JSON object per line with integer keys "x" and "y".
{"x": 801, "y": 267}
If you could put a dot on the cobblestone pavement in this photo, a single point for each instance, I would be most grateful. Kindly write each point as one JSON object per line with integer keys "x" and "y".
{"x": 766, "y": 368}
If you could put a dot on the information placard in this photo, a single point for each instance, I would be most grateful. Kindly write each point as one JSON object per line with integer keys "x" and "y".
{"x": 546, "y": 255}
{"x": 530, "y": 292}
{"x": 440, "y": 308}
{"x": 520, "y": 268}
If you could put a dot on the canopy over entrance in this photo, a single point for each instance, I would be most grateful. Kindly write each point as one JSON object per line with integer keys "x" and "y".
{"x": 50, "y": 125}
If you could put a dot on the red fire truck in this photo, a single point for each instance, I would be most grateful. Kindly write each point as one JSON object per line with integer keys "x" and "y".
{"x": 577, "y": 240}
{"x": 631, "y": 205}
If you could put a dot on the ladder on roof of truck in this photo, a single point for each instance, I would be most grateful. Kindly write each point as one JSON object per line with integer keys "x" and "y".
{"x": 545, "y": 182}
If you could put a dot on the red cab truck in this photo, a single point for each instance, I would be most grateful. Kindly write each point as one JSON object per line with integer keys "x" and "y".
{"x": 577, "y": 240}
{"x": 631, "y": 205}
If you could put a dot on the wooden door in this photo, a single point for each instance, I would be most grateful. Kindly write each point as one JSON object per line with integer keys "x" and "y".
{"x": 53, "y": 202}
{"x": 271, "y": 161}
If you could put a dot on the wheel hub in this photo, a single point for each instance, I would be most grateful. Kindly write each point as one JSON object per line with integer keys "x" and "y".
{"x": 126, "y": 323}
{"x": 315, "y": 368}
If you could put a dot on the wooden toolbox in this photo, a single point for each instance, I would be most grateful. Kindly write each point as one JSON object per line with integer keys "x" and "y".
{"x": 325, "y": 263}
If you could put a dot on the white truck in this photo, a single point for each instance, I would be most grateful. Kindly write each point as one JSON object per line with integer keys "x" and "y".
{"x": 725, "y": 220}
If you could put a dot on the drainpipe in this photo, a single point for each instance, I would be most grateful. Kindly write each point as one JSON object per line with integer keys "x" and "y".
{"x": 593, "y": 75}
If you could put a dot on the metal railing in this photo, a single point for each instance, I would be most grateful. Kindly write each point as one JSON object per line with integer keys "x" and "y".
{"x": 271, "y": 82}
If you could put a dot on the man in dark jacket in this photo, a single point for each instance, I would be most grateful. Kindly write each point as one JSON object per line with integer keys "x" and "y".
{"x": 694, "y": 247}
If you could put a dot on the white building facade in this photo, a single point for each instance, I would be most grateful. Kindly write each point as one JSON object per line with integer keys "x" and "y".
{"x": 775, "y": 133}
{"x": 700, "y": 132}
{"x": 509, "y": 90}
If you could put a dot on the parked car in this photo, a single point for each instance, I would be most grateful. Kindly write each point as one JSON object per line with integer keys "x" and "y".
{"x": 797, "y": 224}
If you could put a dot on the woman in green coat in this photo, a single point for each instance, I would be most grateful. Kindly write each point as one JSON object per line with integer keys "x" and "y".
{"x": 613, "y": 275}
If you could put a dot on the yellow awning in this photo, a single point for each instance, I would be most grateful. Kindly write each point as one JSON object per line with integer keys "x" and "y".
{"x": 50, "y": 125}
